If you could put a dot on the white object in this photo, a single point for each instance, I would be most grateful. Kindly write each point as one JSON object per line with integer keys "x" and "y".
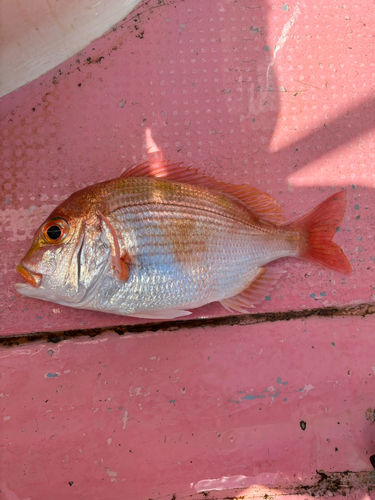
{"x": 38, "y": 35}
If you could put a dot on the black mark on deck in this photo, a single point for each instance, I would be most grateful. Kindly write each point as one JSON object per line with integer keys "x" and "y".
{"x": 337, "y": 483}
{"x": 360, "y": 310}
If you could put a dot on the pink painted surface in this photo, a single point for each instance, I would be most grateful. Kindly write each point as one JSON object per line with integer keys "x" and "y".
{"x": 278, "y": 95}
{"x": 158, "y": 414}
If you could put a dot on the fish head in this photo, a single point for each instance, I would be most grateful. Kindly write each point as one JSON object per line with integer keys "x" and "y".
{"x": 62, "y": 263}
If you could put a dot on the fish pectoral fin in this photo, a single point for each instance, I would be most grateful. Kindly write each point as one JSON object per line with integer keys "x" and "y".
{"x": 256, "y": 292}
{"x": 121, "y": 263}
{"x": 161, "y": 314}
{"x": 122, "y": 269}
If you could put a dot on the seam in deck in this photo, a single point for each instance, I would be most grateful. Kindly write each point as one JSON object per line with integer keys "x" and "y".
{"x": 360, "y": 310}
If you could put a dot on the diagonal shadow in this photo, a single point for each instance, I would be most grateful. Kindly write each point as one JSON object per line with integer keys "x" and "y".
{"x": 333, "y": 134}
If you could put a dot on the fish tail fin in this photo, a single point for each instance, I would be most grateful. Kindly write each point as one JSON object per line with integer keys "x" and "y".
{"x": 320, "y": 226}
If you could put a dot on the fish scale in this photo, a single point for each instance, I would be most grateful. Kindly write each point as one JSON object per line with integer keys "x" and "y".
{"x": 186, "y": 274}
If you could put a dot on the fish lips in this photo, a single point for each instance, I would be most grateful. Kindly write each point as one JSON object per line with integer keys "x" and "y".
{"x": 34, "y": 279}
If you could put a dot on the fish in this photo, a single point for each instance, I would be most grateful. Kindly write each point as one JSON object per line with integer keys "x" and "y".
{"x": 164, "y": 238}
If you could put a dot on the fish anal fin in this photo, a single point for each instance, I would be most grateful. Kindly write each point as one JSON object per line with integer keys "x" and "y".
{"x": 256, "y": 292}
{"x": 161, "y": 314}
{"x": 262, "y": 205}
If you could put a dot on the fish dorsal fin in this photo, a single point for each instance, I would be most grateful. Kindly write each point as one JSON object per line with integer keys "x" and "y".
{"x": 256, "y": 292}
{"x": 262, "y": 205}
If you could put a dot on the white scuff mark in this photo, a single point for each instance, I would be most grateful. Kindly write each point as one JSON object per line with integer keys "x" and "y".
{"x": 23, "y": 352}
{"x": 112, "y": 474}
{"x": 9, "y": 494}
{"x": 8, "y": 417}
{"x": 93, "y": 6}
{"x": 125, "y": 419}
{"x": 306, "y": 390}
{"x": 139, "y": 336}
{"x": 86, "y": 342}
{"x": 335, "y": 382}
{"x": 373, "y": 368}
{"x": 109, "y": 441}
{"x": 284, "y": 36}
{"x": 229, "y": 482}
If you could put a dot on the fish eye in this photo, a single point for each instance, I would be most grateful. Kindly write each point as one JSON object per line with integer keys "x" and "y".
{"x": 55, "y": 230}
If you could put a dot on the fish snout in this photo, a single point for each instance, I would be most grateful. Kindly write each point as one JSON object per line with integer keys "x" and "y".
{"x": 34, "y": 279}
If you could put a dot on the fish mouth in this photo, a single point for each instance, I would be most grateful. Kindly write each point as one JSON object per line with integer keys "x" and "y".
{"x": 33, "y": 278}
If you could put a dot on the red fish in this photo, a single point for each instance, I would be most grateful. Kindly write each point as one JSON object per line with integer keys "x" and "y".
{"x": 163, "y": 239}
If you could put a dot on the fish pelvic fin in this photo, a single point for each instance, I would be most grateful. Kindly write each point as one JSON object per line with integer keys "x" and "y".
{"x": 320, "y": 225}
{"x": 160, "y": 314}
{"x": 258, "y": 289}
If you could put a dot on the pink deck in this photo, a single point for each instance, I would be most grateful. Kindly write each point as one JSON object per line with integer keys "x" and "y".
{"x": 277, "y": 95}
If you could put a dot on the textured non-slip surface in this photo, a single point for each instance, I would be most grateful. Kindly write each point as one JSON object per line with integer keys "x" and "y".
{"x": 166, "y": 413}
{"x": 277, "y": 95}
